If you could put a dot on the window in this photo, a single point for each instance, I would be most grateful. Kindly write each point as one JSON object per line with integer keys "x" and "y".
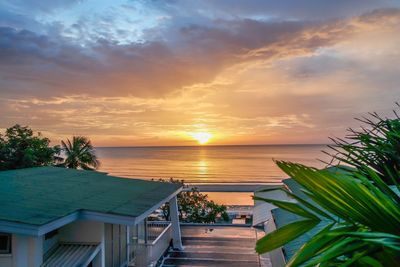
{"x": 5, "y": 243}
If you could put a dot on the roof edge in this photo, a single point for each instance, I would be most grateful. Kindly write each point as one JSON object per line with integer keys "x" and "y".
{"x": 38, "y": 230}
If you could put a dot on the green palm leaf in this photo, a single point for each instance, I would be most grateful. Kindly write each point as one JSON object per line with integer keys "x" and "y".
{"x": 360, "y": 205}
{"x": 79, "y": 154}
{"x": 283, "y": 235}
{"x": 368, "y": 218}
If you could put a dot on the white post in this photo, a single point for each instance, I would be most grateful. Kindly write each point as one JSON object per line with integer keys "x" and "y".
{"x": 101, "y": 258}
{"x": 128, "y": 244}
{"x": 176, "y": 229}
{"x": 20, "y": 250}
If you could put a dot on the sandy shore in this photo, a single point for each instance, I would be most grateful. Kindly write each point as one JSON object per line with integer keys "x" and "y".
{"x": 231, "y": 187}
{"x": 232, "y": 195}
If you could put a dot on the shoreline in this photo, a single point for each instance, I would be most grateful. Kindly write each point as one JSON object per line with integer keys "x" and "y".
{"x": 231, "y": 187}
{"x": 234, "y": 196}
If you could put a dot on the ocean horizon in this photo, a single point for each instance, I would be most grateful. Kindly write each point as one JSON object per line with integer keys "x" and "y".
{"x": 208, "y": 164}
{"x": 233, "y": 145}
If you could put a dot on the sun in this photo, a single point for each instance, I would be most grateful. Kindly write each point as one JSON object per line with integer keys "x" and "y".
{"x": 201, "y": 137}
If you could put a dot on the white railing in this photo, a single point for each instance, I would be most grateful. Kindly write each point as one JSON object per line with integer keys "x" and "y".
{"x": 159, "y": 235}
{"x": 155, "y": 228}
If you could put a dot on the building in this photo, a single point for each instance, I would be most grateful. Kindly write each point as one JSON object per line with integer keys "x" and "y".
{"x": 62, "y": 217}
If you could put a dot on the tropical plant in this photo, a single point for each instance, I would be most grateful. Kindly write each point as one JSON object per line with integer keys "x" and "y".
{"x": 195, "y": 207}
{"x": 21, "y": 148}
{"x": 79, "y": 154}
{"x": 375, "y": 145}
{"x": 361, "y": 219}
{"x": 358, "y": 208}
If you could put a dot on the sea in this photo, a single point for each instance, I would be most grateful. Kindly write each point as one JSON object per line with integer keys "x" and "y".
{"x": 252, "y": 164}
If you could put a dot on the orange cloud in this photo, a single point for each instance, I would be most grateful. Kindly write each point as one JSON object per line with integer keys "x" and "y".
{"x": 245, "y": 81}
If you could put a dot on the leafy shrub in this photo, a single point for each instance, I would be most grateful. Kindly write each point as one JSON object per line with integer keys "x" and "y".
{"x": 21, "y": 148}
{"x": 195, "y": 207}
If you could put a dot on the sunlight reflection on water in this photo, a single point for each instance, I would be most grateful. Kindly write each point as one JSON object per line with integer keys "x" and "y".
{"x": 207, "y": 164}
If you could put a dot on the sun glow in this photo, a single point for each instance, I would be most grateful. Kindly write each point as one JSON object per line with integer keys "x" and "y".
{"x": 201, "y": 137}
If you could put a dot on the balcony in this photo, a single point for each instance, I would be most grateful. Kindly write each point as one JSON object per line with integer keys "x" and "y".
{"x": 157, "y": 239}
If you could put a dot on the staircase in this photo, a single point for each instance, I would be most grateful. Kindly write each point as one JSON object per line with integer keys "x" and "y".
{"x": 222, "y": 246}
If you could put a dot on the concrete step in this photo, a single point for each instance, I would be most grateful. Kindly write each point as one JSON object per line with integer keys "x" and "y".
{"x": 207, "y": 262}
{"x": 222, "y": 247}
{"x": 243, "y": 250}
{"x": 221, "y": 243}
{"x": 214, "y": 255}
{"x": 219, "y": 238}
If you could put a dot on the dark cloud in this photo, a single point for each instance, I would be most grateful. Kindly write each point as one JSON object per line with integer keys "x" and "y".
{"x": 254, "y": 65}
{"x": 42, "y": 65}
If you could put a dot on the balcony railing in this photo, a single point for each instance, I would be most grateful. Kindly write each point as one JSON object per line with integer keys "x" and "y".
{"x": 155, "y": 229}
{"x": 157, "y": 240}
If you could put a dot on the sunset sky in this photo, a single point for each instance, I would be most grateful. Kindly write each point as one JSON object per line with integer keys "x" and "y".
{"x": 138, "y": 73}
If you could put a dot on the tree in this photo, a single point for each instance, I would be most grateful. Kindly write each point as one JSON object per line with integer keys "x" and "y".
{"x": 358, "y": 208}
{"x": 21, "y": 148}
{"x": 195, "y": 207}
{"x": 79, "y": 154}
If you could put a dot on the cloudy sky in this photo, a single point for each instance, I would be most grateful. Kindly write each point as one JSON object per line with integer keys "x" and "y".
{"x": 158, "y": 72}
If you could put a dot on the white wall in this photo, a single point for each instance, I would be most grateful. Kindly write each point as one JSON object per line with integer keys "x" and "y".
{"x": 6, "y": 260}
{"x": 82, "y": 231}
{"x": 27, "y": 250}
{"x": 115, "y": 244}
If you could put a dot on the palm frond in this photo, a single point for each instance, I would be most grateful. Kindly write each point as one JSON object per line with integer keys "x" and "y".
{"x": 80, "y": 153}
{"x": 368, "y": 218}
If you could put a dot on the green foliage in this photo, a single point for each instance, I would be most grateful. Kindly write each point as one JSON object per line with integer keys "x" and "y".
{"x": 364, "y": 219}
{"x": 375, "y": 146}
{"x": 358, "y": 207}
{"x": 79, "y": 154}
{"x": 21, "y": 148}
{"x": 195, "y": 207}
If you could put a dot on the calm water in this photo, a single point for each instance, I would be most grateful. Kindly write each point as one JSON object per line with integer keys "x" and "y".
{"x": 207, "y": 164}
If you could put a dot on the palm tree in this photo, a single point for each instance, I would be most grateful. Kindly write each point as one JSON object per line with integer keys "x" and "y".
{"x": 79, "y": 154}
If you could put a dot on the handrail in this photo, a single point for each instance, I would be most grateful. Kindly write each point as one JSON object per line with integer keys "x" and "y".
{"x": 155, "y": 229}
{"x": 158, "y": 222}
{"x": 150, "y": 251}
{"x": 161, "y": 234}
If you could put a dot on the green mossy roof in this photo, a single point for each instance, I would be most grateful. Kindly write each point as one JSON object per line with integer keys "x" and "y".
{"x": 38, "y": 196}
